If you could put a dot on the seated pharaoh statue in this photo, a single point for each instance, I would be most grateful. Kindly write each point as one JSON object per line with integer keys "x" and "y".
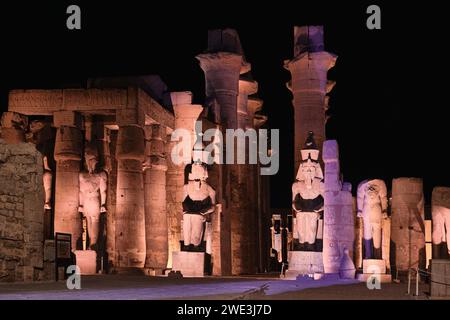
{"x": 307, "y": 197}
{"x": 92, "y": 196}
{"x": 198, "y": 202}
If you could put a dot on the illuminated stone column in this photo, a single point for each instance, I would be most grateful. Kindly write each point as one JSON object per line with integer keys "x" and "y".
{"x": 13, "y": 127}
{"x": 68, "y": 151}
{"x": 407, "y": 223}
{"x": 223, "y": 63}
{"x": 186, "y": 114}
{"x": 155, "y": 168}
{"x": 129, "y": 217}
{"x": 309, "y": 85}
{"x": 339, "y": 225}
{"x": 243, "y": 215}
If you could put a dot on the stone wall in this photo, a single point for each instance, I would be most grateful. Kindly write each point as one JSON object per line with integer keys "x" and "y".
{"x": 21, "y": 213}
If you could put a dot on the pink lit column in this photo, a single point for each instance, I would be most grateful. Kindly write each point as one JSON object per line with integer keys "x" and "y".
{"x": 155, "y": 200}
{"x": 129, "y": 217}
{"x": 68, "y": 151}
{"x": 309, "y": 85}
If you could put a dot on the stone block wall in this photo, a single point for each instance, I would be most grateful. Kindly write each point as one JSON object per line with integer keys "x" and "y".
{"x": 21, "y": 213}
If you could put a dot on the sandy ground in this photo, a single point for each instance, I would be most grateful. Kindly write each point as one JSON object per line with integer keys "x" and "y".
{"x": 120, "y": 287}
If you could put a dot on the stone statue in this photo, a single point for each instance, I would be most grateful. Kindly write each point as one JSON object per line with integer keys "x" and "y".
{"x": 372, "y": 208}
{"x": 47, "y": 178}
{"x": 307, "y": 193}
{"x": 199, "y": 201}
{"x": 93, "y": 184}
{"x": 40, "y": 133}
{"x": 440, "y": 204}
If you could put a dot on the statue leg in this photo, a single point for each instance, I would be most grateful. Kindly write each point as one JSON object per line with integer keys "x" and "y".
{"x": 376, "y": 229}
{"x": 187, "y": 229}
{"x": 447, "y": 227}
{"x": 47, "y": 179}
{"x": 301, "y": 227}
{"x": 93, "y": 227}
{"x": 438, "y": 227}
{"x": 311, "y": 227}
{"x": 367, "y": 239}
{"x": 197, "y": 229}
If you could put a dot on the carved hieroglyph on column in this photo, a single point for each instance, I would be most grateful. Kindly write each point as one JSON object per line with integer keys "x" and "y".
{"x": 155, "y": 168}
{"x": 309, "y": 84}
{"x": 338, "y": 233}
{"x": 130, "y": 221}
{"x": 408, "y": 228}
{"x": 441, "y": 220}
{"x": 68, "y": 150}
{"x": 186, "y": 114}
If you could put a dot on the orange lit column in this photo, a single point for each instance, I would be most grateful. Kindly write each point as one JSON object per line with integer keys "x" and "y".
{"x": 68, "y": 151}
{"x": 129, "y": 219}
{"x": 155, "y": 168}
{"x": 186, "y": 114}
{"x": 309, "y": 85}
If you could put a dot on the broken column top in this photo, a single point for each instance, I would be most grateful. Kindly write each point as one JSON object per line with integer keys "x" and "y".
{"x": 226, "y": 40}
{"x": 330, "y": 151}
{"x": 308, "y": 39}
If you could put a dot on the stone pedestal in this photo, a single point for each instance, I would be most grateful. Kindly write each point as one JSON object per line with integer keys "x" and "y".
{"x": 86, "y": 260}
{"x": 440, "y": 278}
{"x": 303, "y": 263}
{"x": 374, "y": 268}
{"x": 190, "y": 264}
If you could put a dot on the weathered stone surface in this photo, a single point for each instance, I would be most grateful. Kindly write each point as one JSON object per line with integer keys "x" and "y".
{"x": 407, "y": 223}
{"x": 156, "y": 234}
{"x": 21, "y": 212}
{"x": 190, "y": 264}
{"x": 339, "y": 225}
{"x": 303, "y": 262}
{"x": 87, "y": 261}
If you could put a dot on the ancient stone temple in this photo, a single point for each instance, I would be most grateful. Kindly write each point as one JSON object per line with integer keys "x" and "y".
{"x": 100, "y": 170}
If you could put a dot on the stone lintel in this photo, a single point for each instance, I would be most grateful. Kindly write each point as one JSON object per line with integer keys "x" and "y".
{"x": 68, "y": 119}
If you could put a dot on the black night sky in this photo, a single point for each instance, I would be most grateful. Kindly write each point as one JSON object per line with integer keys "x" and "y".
{"x": 388, "y": 106}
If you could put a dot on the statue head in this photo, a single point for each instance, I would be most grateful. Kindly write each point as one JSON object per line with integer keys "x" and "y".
{"x": 90, "y": 158}
{"x": 309, "y": 168}
{"x": 199, "y": 171}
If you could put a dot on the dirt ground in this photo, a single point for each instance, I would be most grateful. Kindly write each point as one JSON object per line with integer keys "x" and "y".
{"x": 122, "y": 287}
